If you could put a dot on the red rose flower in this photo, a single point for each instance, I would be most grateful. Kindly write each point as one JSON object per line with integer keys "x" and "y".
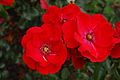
{"x": 95, "y": 36}
{"x": 63, "y": 19}
{"x": 44, "y": 49}
{"x": 69, "y": 12}
{"x": 68, "y": 16}
{"x": 43, "y": 4}
{"x": 77, "y": 59}
{"x": 115, "y": 52}
{"x": 57, "y": 15}
{"x": 6, "y": 2}
{"x": 52, "y": 15}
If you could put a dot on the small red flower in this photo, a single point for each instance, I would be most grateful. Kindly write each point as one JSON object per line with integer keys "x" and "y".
{"x": 77, "y": 59}
{"x": 115, "y": 52}
{"x": 1, "y": 20}
{"x": 69, "y": 12}
{"x": 68, "y": 16}
{"x": 43, "y": 4}
{"x": 44, "y": 49}
{"x": 65, "y": 19}
{"x": 19, "y": 64}
{"x": 57, "y": 15}
{"x": 6, "y": 2}
{"x": 52, "y": 15}
{"x": 95, "y": 36}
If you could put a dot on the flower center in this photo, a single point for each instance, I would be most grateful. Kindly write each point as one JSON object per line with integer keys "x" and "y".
{"x": 45, "y": 49}
{"x": 64, "y": 20}
{"x": 89, "y": 37}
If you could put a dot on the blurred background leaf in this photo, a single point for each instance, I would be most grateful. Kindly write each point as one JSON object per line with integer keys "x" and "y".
{"x": 3, "y": 13}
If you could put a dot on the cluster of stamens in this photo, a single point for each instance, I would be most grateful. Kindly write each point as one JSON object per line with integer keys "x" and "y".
{"x": 64, "y": 20}
{"x": 89, "y": 37}
{"x": 45, "y": 49}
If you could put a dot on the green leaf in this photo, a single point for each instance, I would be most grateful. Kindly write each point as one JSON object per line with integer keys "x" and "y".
{"x": 30, "y": 13}
{"x": 97, "y": 71}
{"x": 27, "y": 77}
{"x": 3, "y": 13}
{"x": 2, "y": 65}
{"x": 65, "y": 73}
{"x": 5, "y": 74}
{"x": 53, "y": 77}
{"x": 108, "y": 11}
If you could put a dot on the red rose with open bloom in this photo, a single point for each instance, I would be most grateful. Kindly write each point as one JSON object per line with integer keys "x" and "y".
{"x": 63, "y": 17}
{"x": 68, "y": 15}
{"x": 115, "y": 52}
{"x": 77, "y": 59}
{"x": 6, "y": 2}
{"x": 44, "y": 49}
{"x": 52, "y": 15}
{"x": 69, "y": 12}
{"x": 95, "y": 36}
{"x": 57, "y": 15}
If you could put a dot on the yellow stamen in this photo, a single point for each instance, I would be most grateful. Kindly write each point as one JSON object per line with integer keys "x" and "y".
{"x": 45, "y": 49}
{"x": 89, "y": 37}
{"x": 65, "y": 20}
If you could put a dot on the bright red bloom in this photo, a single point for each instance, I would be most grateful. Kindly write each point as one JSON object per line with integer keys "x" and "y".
{"x": 69, "y": 12}
{"x": 57, "y": 15}
{"x": 52, "y": 15}
{"x": 68, "y": 15}
{"x": 43, "y": 4}
{"x": 6, "y": 2}
{"x": 77, "y": 59}
{"x": 64, "y": 18}
{"x": 95, "y": 36}
{"x": 44, "y": 49}
{"x": 115, "y": 52}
